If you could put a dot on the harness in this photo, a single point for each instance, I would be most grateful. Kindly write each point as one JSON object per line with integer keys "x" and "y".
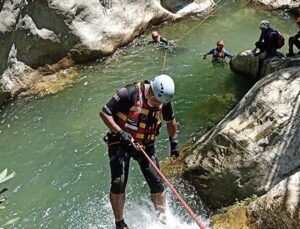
{"x": 218, "y": 55}
{"x": 142, "y": 121}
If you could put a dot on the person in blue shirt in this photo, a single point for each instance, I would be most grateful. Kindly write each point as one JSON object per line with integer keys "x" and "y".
{"x": 219, "y": 53}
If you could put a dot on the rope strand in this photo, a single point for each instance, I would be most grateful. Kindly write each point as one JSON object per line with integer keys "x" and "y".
{"x": 227, "y": 2}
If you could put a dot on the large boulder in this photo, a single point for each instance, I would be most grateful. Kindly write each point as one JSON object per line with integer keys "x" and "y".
{"x": 279, "y": 3}
{"x": 254, "y": 147}
{"x": 279, "y": 208}
{"x": 44, "y": 32}
{"x": 245, "y": 63}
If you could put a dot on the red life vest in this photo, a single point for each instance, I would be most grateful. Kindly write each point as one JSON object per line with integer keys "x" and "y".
{"x": 142, "y": 121}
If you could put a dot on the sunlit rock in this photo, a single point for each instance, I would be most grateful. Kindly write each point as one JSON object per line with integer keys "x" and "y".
{"x": 44, "y": 32}
{"x": 279, "y": 208}
{"x": 254, "y": 147}
{"x": 245, "y": 63}
{"x": 279, "y": 3}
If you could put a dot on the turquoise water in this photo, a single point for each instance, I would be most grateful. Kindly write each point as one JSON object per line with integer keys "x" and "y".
{"x": 54, "y": 143}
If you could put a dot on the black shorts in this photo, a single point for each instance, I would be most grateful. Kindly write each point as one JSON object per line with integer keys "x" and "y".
{"x": 120, "y": 156}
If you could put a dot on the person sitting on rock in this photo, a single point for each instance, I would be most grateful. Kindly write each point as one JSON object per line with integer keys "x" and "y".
{"x": 294, "y": 40}
{"x": 268, "y": 41}
{"x": 219, "y": 53}
{"x": 157, "y": 39}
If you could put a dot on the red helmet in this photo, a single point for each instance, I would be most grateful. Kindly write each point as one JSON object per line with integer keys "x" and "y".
{"x": 155, "y": 35}
{"x": 298, "y": 20}
{"x": 220, "y": 42}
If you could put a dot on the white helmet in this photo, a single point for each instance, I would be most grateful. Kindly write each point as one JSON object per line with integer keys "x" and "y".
{"x": 163, "y": 88}
{"x": 264, "y": 24}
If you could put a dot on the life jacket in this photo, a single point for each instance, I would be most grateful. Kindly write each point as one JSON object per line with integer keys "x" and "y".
{"x": 218, "y": 55}
{"x": 280, "y": 40}
{"x": 142, "y": 121}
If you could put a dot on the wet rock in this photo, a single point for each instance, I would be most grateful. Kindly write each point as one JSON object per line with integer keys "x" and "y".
{"x": 279, "y": 3}
{"x": 44, "y": 32}
{"x": 245, "y": 63}
{"x": 254, "y": 147}
{"x": 279, "y": 208}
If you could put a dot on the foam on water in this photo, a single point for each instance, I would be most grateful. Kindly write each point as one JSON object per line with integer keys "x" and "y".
{"x": 140, "y": 213}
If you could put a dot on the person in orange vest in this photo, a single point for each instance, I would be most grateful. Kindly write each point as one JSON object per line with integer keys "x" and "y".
{"x": 133, "y": 116}
{"x": 294, "y": 40}
{"x": 219, "y": 53}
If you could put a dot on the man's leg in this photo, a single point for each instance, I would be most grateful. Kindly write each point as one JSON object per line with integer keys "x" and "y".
{"x": 117, "y": 202}
{"x": 297, "y": 43}
{"x": 119, "y": 166}
{"x": 155, "y": 184}
{"x": 291, "y": 43}
{"x": 159, "y": 202}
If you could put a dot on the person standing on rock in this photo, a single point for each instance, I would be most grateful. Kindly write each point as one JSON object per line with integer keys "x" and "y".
{"x": 133, "y": 116}
{"x": 294, "y": 40}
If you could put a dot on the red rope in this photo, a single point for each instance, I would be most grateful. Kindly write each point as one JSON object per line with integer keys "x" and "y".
{"x": 179, "y": 198}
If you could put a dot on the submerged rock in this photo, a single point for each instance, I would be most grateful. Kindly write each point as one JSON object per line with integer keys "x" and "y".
{"x": 254, "y": 147}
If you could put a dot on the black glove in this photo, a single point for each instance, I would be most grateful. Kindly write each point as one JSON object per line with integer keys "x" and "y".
{"x": 204, "y": 57}
{"x": 174, "y": 149}
{"x": 125, "y": 138}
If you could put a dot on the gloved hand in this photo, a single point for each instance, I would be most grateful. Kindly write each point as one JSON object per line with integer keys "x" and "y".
{"x": 174, "y": 149}
{"x": 204, "y": 57}
{"x": 125, "y": 137}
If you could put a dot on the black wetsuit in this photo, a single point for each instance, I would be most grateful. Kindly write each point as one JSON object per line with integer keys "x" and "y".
{"x": 294, "y": 40}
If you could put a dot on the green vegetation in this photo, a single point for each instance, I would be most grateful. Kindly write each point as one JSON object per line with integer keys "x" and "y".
{"x": 4, "y": 177}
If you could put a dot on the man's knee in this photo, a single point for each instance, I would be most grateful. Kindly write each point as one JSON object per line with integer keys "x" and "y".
{"x": 117, "y": 186}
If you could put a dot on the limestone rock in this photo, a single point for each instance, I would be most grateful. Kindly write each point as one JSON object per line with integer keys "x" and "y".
{"x": 279, "y": 208}
{"x": 245, "y": 63}
{"x": 279, "y": 3}
{"x": 44, "y": 32}
{"x": 254, "y": 147}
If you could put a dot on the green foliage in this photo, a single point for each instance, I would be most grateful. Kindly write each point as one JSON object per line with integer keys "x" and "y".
{"x": 5, "y": 177}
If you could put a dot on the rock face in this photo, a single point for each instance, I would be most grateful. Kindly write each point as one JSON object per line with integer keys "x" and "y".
{"x": 245, "y": 63}
{"x": 254, "y": 147}
{"x": 279, "y": 3}
{"x": 279, "y": 208}
{"x": 43, "y": 32}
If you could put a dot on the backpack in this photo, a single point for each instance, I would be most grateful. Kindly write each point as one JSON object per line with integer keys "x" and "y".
{"x": 280, "y": 40}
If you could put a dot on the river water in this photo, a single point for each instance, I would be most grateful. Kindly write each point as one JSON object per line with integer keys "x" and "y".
{"x": 54, "y": 143}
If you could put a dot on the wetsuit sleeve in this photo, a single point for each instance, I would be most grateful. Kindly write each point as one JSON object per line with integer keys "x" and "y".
{"x": 167, "y": 112}
{"x": 151, "y": 42}
{"x": 226, "y": 53}
{"x": 119, "y": 102}
{"x": 164, "y": 40}
{"x": 261, "y": 37}
{"x": 210, "y": 52}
